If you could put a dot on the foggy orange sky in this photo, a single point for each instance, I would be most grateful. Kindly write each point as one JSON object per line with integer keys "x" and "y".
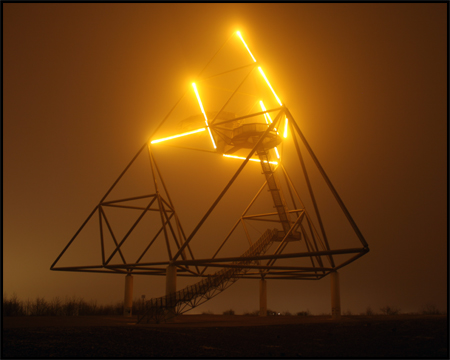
{"x": 85, "y": 85}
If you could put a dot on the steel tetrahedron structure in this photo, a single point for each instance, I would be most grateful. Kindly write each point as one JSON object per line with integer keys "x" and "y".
{"x": 230, "y": 118}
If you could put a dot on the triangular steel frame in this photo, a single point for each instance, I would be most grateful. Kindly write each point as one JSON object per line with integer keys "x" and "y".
{"x": 318, "y": 249}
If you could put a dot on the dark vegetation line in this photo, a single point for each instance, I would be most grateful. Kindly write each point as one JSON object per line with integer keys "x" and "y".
{"x": 78, "y": 307}
{"x": 56, "y": 307}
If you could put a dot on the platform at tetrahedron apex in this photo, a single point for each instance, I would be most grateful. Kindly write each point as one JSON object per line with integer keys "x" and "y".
{"x": 247, "y": 135}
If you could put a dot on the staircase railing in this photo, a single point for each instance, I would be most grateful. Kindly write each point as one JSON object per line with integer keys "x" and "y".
{"x": 198, "y": 293}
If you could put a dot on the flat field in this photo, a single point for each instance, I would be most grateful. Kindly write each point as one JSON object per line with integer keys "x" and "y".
{"x": 234, "y": 336}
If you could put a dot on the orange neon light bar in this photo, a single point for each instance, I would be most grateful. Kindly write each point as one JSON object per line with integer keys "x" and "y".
{"x": 240, "y": 36}
{"x": 243, "y": 158}
{"x": 177, "y": 136}
{"x": 263, "y": 108}
{"x": 270, "y": 86}
{"x": 285, "y": 127}
{"x": 276, "y": 152}
{"x": 204, "y": 114}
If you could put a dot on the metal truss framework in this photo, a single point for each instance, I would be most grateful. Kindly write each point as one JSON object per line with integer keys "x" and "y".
{"x": 315, "y": 241}
{"x": 226, "y": 135}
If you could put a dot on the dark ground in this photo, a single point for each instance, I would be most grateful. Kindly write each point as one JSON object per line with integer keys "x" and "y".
{"x": 192, "y": 336}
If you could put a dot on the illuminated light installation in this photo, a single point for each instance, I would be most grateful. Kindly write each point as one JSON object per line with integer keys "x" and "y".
{"x": 270, "y": 86}
{"x": 251, "y": 159}
{"x": 285, "y": 127}
{"x": 266, "y": 116}
{"x": 204, "y": 114}
{"x": 177, "y": 136}
{"x": 242, "y": 39}
{"x": 303, "y": 248}
{"x": 263, "y": 108}
{"x": 259, "y": 68}
{"x": 276, "y": 152}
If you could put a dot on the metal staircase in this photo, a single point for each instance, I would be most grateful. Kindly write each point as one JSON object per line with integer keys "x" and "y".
{"x": 158, "y": 309}
{"x": 275, "y": 190}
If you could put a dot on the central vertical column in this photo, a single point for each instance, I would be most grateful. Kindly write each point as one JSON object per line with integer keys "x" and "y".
{"x": 262, "y": 297}
{"x": 171, "y": 288}
{"x": 335, "y": 296}
{"x": 128, "y": 301}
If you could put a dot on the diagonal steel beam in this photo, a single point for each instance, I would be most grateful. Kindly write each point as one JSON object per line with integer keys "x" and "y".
{"x": 269, "y": 128}
{"x": 330, "y": 185}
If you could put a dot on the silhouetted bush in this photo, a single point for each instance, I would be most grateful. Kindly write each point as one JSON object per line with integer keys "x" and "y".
{"x": 228, "y": 312}
{"x": 271, "y": 312}
{"x": 252, "y": 313}
{"x": 55, "y": 307}
{"x": 304, "y": 313}
{"x": 139, "y": 306}
{"x": 40, "y": 307}
{"x": 12, "y": 307}
{"x": 387, "y": 310}
{"x": 369, "y": 312}
{"x": 430, "y": 309}
{"x": 69, "y": 308}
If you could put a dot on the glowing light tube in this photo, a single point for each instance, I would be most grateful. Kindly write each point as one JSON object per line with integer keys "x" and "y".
{"x": 285, "y": 127}
{"x": 240, "y": 36}
{"x": 265, "y": 114}
{"x": 243, "y": 158}
{"x": 276, "y": 152}
{"x": 204, "y": 114}
{"x": 177, "y": 136}
{"x": 270, "y": 86}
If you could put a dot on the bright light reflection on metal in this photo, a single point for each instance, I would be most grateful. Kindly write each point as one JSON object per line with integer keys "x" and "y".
{"x": 285, "y": 128}
{"x": 204, "y": 114}
{"x": 264, "y": 109}
{"x": 276, "y": 152}
{"x": 177, "y": 136}
{"x": 243, "y": 158}
{"x": 239, "y": 34}
{"x": 270, "y": 86}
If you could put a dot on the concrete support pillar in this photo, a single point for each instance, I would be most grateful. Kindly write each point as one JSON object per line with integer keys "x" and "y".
{"x": 128, "y": 301}
{"x": 262, "y": 297}
{"x": 171, "y": 287}
{"x": 335, "y": 296}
